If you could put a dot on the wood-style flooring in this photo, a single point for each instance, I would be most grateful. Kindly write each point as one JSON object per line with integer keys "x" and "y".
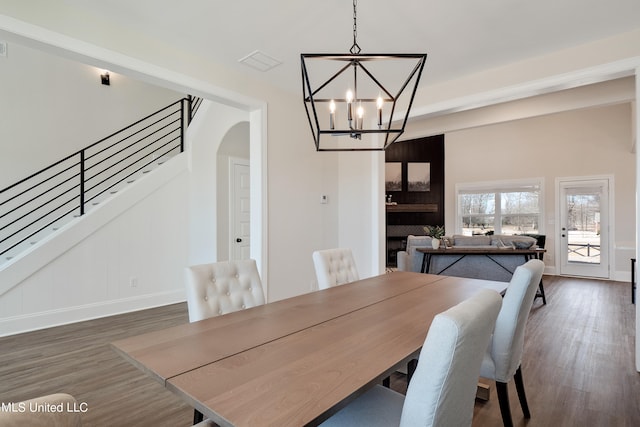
{"x": 578, "y": 364}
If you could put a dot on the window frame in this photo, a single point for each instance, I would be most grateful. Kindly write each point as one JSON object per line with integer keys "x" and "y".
{"x": 498, "y": 187}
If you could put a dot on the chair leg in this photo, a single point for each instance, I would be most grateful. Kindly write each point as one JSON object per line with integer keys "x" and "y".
{"x": 197, "y": 416}
{"x": 521, "y": 394}
{"x": 544, "y": 297}
{"x": 503, "y": 399}
{"x": 411, "y": 369}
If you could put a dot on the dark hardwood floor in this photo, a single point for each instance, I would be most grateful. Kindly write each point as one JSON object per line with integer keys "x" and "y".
{"x": 579, "y": 359}
{"x": 578, "y": 364}
{"x": 77, "y": 359}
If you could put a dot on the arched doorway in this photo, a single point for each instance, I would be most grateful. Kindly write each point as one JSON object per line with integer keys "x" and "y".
{"x": 233, "y": 194}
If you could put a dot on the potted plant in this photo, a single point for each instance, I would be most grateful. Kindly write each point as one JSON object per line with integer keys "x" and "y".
{"x": 436, "y": 232}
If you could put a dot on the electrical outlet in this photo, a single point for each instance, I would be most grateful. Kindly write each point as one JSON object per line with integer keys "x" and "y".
{"x": 324, "y": 199}
{"x": 133, "y": 282}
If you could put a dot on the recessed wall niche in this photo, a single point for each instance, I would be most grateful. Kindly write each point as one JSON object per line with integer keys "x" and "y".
{"x": 414, "y": 184}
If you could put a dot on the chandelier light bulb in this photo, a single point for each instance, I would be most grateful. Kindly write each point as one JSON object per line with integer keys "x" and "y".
{"x": 349, "y": 101}
{"x": 349, "y": 96}
{"x": 332, "y": 115}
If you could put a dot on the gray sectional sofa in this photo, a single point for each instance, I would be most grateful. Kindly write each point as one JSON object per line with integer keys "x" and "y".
{"x": 496, "y": 267}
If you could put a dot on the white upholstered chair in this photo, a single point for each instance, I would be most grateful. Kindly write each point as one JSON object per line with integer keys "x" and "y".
{"x": 442, "y": 391}
{"x": 222, "y": 287}
{"x": 504, "y": 355}
{"x": 29, "y": 416}
{"x": 334, "y": 267}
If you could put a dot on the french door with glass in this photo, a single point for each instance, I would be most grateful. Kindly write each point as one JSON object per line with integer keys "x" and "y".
{"x": 584, "y": 227}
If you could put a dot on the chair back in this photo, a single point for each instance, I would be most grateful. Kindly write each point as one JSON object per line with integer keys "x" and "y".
{"x": 334, "y": 267}
{"x": 222, "y": 287}
{"x": 443, "y": 387}
{"x": 414, "y": 258}
{"x": 508, "y": 338}
{"x": 26, "y": 413}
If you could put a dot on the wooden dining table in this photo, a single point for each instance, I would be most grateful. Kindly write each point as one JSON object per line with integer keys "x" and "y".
{"x": 297, "y": 361}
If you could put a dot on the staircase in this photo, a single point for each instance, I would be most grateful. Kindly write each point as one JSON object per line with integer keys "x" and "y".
{"x": 41, "y": 204}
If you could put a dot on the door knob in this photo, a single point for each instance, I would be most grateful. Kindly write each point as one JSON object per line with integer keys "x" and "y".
{"x": 238, "y": 240}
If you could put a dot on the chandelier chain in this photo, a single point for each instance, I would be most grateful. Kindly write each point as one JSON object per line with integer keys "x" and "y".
{"x": 355, "y": 49}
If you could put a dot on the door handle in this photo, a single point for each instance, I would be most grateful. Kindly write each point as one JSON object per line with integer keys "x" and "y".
{"x": 238, "y": 240}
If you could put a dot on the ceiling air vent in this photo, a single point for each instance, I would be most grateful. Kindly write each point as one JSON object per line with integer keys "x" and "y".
{"x": 260, "y": 61}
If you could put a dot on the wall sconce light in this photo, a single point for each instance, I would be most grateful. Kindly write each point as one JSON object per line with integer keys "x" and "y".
{"x": 104, "y": 78}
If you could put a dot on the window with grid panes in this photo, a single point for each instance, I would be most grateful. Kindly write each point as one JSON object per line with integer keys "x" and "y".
{"x": 501, "y": 207}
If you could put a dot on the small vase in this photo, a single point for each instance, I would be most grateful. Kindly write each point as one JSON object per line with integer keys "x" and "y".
{"x": 435, "y": 243}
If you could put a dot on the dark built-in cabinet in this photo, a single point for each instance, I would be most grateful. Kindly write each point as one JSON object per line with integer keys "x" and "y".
{"x": 414, "y": 183}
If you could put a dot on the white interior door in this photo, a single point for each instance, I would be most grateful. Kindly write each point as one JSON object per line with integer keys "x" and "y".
{"x": 239, "y": 215}
{"x": 584, "y": 227}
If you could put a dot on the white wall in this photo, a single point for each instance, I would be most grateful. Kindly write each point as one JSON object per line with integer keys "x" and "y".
{"x": 357, "y": 229}
{"x": 52, "y": 107}
{"x": 298, "y": 176}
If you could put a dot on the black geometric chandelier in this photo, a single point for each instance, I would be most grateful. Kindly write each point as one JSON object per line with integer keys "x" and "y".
{"x": 356, "y": 101}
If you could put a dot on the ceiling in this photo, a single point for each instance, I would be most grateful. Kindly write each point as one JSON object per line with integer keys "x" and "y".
{"x": 460, "y": 36}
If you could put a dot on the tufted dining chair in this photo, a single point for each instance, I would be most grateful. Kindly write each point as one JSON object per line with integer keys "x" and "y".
{"x": 26, "y": 413}
{"x": 334, "y": 267}
{"x": 222, "y": 287}
{"x": 504, "y": 355}
{"x": 442, "y": 392}
{"x": 219, "y": 288}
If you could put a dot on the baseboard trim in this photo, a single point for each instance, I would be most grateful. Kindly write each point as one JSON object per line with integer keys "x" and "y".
{"x": 35, "y": 321}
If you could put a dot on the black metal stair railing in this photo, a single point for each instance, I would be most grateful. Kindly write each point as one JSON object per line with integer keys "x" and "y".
{"x": 42, "y": 201}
